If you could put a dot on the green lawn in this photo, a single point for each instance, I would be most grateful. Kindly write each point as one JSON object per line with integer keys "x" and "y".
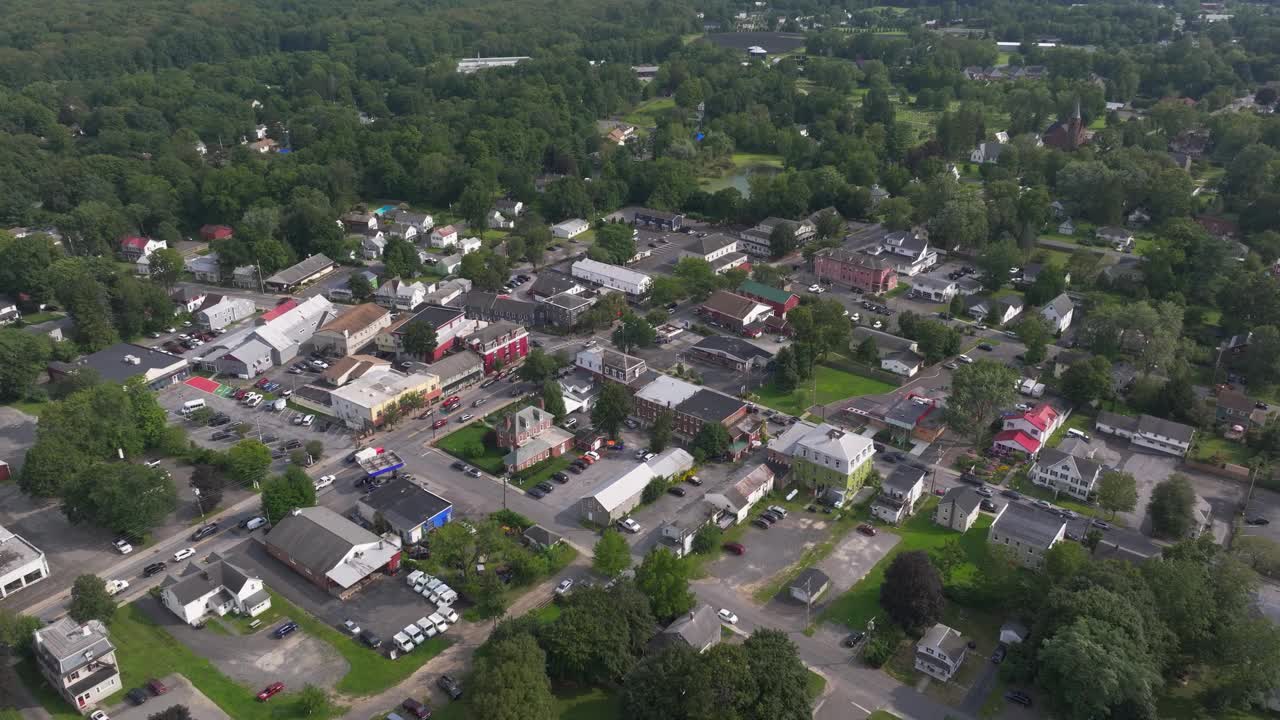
{"x": 1077, "y": 421}
{"x": 862, "y": 602}
{"x": 31, "y": 408}
{"x": 815, "y": 684}
{"x": 882, "y": 715}
{"x": 51, "y": 701}
{"x": 459, "y": 442}
{"x": 37, "y": 318}
{"x": 541, "y": 472}
{"x": 646, "y": 113}
{"x": 832, "y": 383}
{"x": 1214, "y": 448}
{"x": 751, "y": 159}
{"x": 571, "y": 704}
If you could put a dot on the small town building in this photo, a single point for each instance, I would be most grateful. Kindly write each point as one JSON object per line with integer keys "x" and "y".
{"x": 295, "y": 276}
{"x": 958, "y": 509}
{"x": 731, "y": 352}
{"x": 410, "y": 510}
{"x": 899, "y": 494}
{"x": 809, "y": 585}
{"x": 940, "y": 652}
{"x": 570, "y": 229}
{"x": 613, "y": 277}
{"x": 21, "y": 563}
{"x": 78, "y": 661}
{"x": 352, "y": 330}
{"x": 856, "y": 270}
{"x": 532, "y": 436}
{"x": 122, "y": 362}
{"x": 363, "y": 402}
{"x": 1027, "y": 532}
{"x": 734, "y": 312}
{"x": 333, "y": 553}
{"x": 213, "y": 588}
{"x": 499, "y": 342}
{"x": 699, "y": 629}
{"x": 1149, "y": 432}
{"x": 742, "y": 494}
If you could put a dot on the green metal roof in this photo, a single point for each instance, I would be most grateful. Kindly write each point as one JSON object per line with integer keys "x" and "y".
{"x": 767, "y": 292}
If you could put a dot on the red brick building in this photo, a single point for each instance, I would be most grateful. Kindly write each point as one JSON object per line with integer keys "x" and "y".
{"x": 500, "y": 340}
{"x": 782, "y": 301}
{"x": 532, "y": 437}
{"x": 215, "y": 232}
{"x": 446, "y": 321}
{"x": 856, "y": 270}
{"x": 693, "y": 406}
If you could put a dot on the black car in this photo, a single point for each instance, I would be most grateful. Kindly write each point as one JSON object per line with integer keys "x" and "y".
{"x": 222, "y": 435}
{"x": 545, "y": 486}
{"x": 450, "y": 687}
{"x": 575, "y": 469}
{"x": 997, "y": 657}
{"x": 219, "y": 420}
{"x": 986, "y": 346}
{"x": 370, "y": 639}
{"x": 268, "y": 439}
{"x": 853, "y": 639}
{"x": 153, "y": 569}
{"x": 458, "y": 465}
{"x": 677, "y": 491}
{"x": 293, "y": 444}
{"x": 560, "y": 477}
{"x": 1011, "y": 494}
{"x": 285, "y": 629}
{"x": 771, "y": 516}
{"x": 137, "y": 696}
{"x": 205, "y": 531}
{"x": 277, "y": 454}
{"x": 1257, "y": 521}
{"x": 762, "y": 524}
{"x": 987, "y": 505}
{"x": 534, "y": 492}
{"x": 1019, "y": 697}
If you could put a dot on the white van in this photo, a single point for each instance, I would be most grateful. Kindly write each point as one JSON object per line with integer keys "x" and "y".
{"x": 256, "y": 401}
{"x": 191, "y": 406}
{"x": 306, "y": 421}
{"x": 403, "y": 642}
{"x": 414, "y": 634}
{"x": 1078, "y": 434}
{"x": 427, "y": 627}
{"x": 414, "y": 577}
{"x": 438, "y": 620}
{"x": 448, "y": 597}
{"x": 255, "y": 523}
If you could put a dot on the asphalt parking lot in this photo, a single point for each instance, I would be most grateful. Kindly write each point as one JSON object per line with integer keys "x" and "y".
{"x": 258, "y": 659}
{"x": 1263, "y": 504}
{"x": 384, "y": 606}
{"x": 181, "y": 692}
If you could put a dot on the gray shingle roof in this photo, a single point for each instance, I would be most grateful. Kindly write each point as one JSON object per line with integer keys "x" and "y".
{"x": 736, "y": 347}
{"x": 1167, "y": 428}
{"x": 699, "y": 628}
{"x": 301, "y": 271}
{"x": 194, "y": 582}
{"x": 318, "y": 538}
{"x": 1052, "y": 456}
{"x": 1031, "y": 525}
{"x": 404, "y": 504}
{"x": 965, "y": 499}
{"x": 902, "y": 479}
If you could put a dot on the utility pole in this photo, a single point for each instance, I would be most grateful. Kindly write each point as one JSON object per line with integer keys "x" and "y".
{"x": 199, "y": 505}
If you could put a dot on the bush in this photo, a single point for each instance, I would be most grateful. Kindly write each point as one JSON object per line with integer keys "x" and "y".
{"x": 511, "y": 518}
{"x": 707, "y": 539}
{"x": 474, "y": 450}
{"x": 882, "y": 645}
{"x": 653, "y": 490}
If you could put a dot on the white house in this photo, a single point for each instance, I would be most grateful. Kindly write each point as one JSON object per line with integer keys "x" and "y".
{"x": 214, "y": 588}
{"x": 1058, "y": 313}
{"x": 446, "y": 236}
{"x": 400, "y": 295}
{"x": 469, "y": 245}
{"x": 422, "y": 222}
{"x": 134, "y": 248}
{"x": 904, "y": 363}
{"x": 1066, "y": 473}
{"x": 614, "y": 277}
{"x": 940, "y": 652}
{"x": 1149, "y": 432}
{"x": 1027, "y": 431}
{"x": 909, "y": 252}
{"x": 1120, "y": 238}
{"x": 711, "y": 247}
{"x": 570, "y": 228}
{"x": 899, "y": 494}
{"x": 372, "y": 245}
{"x": 933, "y": 287}
{"x": 738, "y": 499}
{"x": 497, "y": 221}
{"x": 998, "y": 311}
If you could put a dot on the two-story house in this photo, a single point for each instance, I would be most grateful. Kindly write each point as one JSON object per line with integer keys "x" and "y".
{"x": 351, "y": 330}
{"x": 721, "y": 251}
{"x": 740, "y": 314}
{"x": 358, "y": 222}
{"x": 1025, "y": 432}
{"x": 1235, "y": 408}
{"x": 997, "y": 311}
{"x": 532, "y": 437}
{"x": 940, "y": 652}
{"x": 397, "y": 294}
{"x": 899, "y": 494}
{"x": 1148, "y": 431}
{"x": 782, "y": 301}
{"x": 78, "y": 661}
{"x": 1119, "y": 238}
{"x": 213, "y": 588}
{"x": 445, "y": 236}
{"x": 611, "y": 365}
{"x": 693, "y": 406}
{"x": 958, "y": 509}
{"x": 1066, "y": 473}
{"x": 133, "y": 248}
{"x": 909, "y": 251}
{"x": 1059, "y": 312}
{"x": 934, "y": 288}
{"x": 1027, "y": 532}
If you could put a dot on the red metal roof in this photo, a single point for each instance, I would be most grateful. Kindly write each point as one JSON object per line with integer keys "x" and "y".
{"x": 1023, "y": 440}
{"x": 280, "y": 309}
{"x": 133, "y": 241}
{"x": 215, "y": 232}
{"x": 1041, "y": 416}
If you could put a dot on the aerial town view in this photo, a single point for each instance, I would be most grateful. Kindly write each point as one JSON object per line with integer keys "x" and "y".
{"x": 670, "y": 360}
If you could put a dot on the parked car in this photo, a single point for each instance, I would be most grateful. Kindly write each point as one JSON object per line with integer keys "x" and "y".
{"x": 694, "y": 480}
{"x": 351, "y": 627}
{"x": 156, "y": 687}
{"x": 762, "y": 524}
{"x": 183, "y": 554}
{"x": 727, "y": 616}
{"x": 270, "y": 691}
{"x": 465, "y": 417}
{"x": 136, "y": 696}
{"x": 853, "y": 639}
{"x": 1258, "y": 521}
{"x": 964, "y": 359}
{"x": 560, "y": 477}
{"x": 1101, "y": 524}
{"x": 1019, "y": 697}
{"x": 998, "y": 656}
{"x": 629, "y": 525}
{"x": 285, "y": 629}
{"x": 370, "y": 639}
{"x": 114, "y": 587}
{"x": 987, "y": 505}
{"x": 564, "y": 586}
{"x": 535, "y": 493}
{"x": 416, "y": 709}
{"x": 677, "y": 491}
{"x": 735, "y": 548}
{"x": 439, "y": 424}
{"x": 153, "y": 569}
{"x": 1011, "y": 494}
{"x": 99, "y": 715}
{"x": 545, "y": 486}
{"x": 985, "y": 492}
{"x": 122, "y": 546}
{"x": 867, "y": 530}
{"x": 450, "y": 686}
{"x": 777, "y": 510}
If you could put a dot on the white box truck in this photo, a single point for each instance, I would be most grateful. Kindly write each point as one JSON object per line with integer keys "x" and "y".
{"x": 426, "y": 627}
{"x": 403, "y": 642}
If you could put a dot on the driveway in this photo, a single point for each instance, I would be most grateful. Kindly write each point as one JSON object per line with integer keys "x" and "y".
{"x": 181, "y": 692}
{"x": 258, "y": 659}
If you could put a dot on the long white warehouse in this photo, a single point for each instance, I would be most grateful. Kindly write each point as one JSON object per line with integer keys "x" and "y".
{"x": 612, "y": 276}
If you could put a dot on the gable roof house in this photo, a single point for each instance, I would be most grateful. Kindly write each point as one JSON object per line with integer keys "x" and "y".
{"x": 421, "y": 222}
{"x": 712, "y": 248}
{"x": 372, "y": 245}
{"x": 495, "y": 220}
{"x": 133, "y": 247}
{"x": 351, "y": 330}
{"x": 1066, "y": 473}
{"x": 933, "y": 287}
{"x": 205, "y": 268}
{"x": 309, "y": 270}
{"x": 731, "y": 352}
{"x": 333, "y": 553}
{"x": 735, "y": 312}
{"x": 742, "y": 494}
{"x": 1118, "y": 237}
{"x": 532, "y": 438}
{"x": 400, "y": 295}
{"x": 823, "y": 455}
{"x": 223, "y": 311}
{"x": 213, "y": 588}
{"x": 445, "y": 236}
{"x": 1235, "y": 408}
{"x": 699, "y": 629}
{"x": 809, "y": 585}
{"x": 898, "y": 494}
{"x": 958, "y": 509}
{"x": 1059, "y": 312}
{"x": 782, "y": 301}
{"x": 1028, "y": 532}
{"x": 909, "y": 251}
{"x": 986, "y": 153}
{"x": 1148, "y": 431}
{"x": 940, "y": 652}
{"x": 1027, "y": 431}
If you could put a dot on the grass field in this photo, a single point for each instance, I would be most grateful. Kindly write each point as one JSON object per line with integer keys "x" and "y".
{"x": 31, "y": 408}
{"x": 646, "y": 114}
{"x": 542, "y": 471}
{"x": 459, "y": 442}
{"x": 862, "y": 602}
{"x": 37, "y": 318}
{"x": 1207, "y": 447}
{"x": 833, "y": 384}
